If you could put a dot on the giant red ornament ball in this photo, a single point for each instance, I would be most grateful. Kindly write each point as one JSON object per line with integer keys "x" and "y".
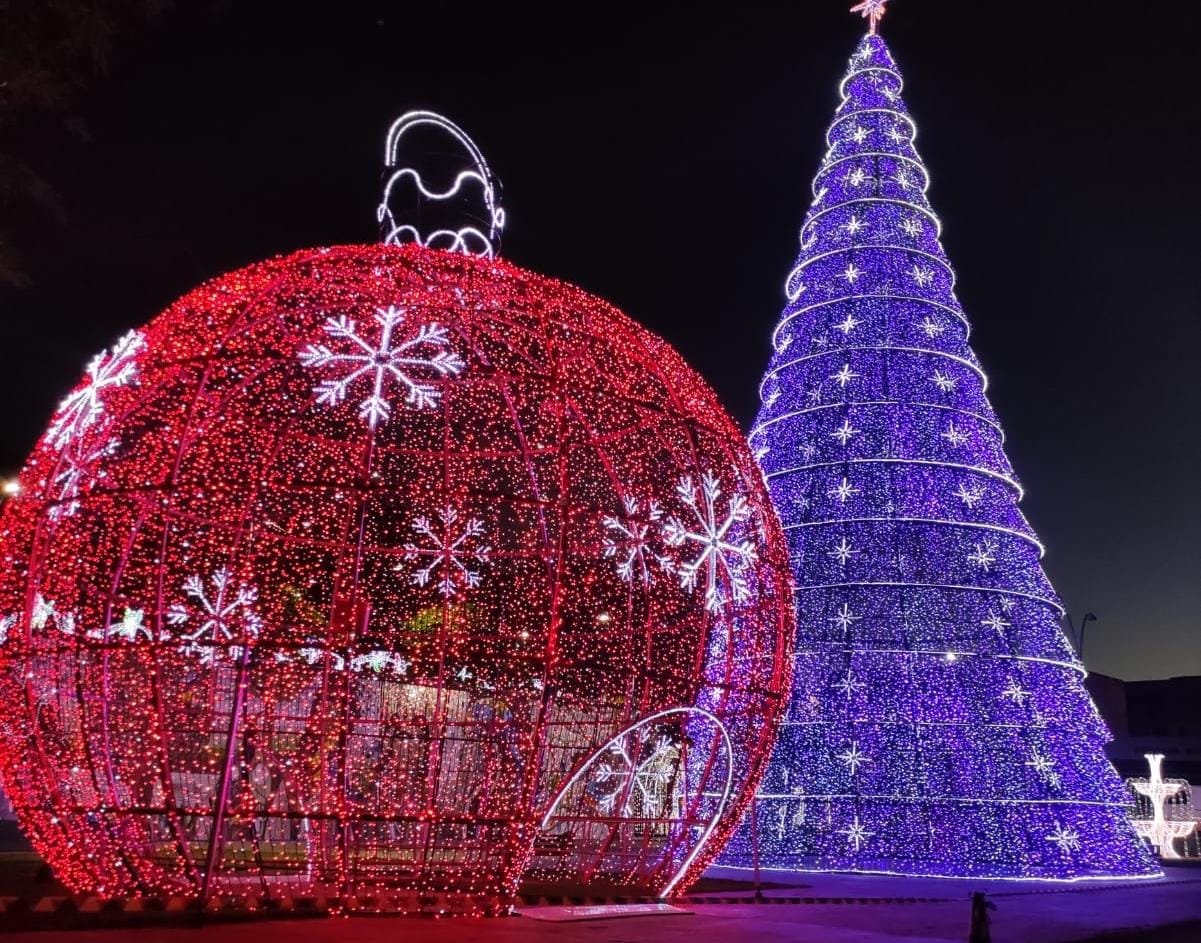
{"x": 379, "y": 570}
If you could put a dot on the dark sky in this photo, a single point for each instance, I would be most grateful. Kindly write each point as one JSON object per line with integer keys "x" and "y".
{"x": 660, "y": 155}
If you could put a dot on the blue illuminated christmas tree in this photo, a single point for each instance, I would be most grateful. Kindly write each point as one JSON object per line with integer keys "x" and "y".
{"x": 939, "y": 723}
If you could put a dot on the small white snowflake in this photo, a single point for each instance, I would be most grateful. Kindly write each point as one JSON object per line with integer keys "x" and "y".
{"x": 84, "y": 407}
{"x": 911, "y": 226}
{"x": 856, "y": 177}
{"x": 814, "y": 396}
{"x": 954, "y": 435}
{"x": 854, "y": 225}
{"x": 970, "y": 496}
{"x": 844, "y": 376}
{"x": 922, "y": 275}
{"x": 447, "y": 547}
{"x": 1044, "y": 766}
{"x": 848, "y": 325}
{"x": 850, "y": 685}
{"x": 931, "y": 328}
{"x": 808, "y": 451}
{"x": 845, "y": 618}
{"x": 627, "y": 540}
{"x": 984, "y": 555}
{"x": 856, "y": 834}
{"x": 859, "y": 135}
{"x": 843, "y": 491}
{"x": 902, "y": 178}
{"x": 772, "y": 397}
{"x": 852, "y": 273}
{"x": 721, "y": 558}
{"x": 383, "y": 361}
{"x": 944, "y": 381}
{"x": 785, "y": 343}
{"x": 215, "y": 617}
{"x": 852, "y": 758}
{"x": 845, "y": 432}
{"x": 1016, "y": 693}
{"x": 996, "y": 623}
{"x": 843, "y": 551}
{"x": 897, "y": 135}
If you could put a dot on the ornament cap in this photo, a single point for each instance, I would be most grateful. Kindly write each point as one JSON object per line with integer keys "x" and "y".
{"x": 438, "y": 189}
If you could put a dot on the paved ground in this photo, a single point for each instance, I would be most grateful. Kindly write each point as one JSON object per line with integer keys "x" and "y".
{"x": 1166, "y": 911}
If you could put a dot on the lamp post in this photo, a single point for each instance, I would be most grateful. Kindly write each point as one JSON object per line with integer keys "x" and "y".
{"x": 1078, "y": 636}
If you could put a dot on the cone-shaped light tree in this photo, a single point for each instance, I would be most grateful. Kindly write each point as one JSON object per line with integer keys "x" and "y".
{"x": 939, "y": 723}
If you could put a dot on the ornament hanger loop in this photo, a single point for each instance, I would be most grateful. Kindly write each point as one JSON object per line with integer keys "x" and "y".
{"x": 438, "y": 189}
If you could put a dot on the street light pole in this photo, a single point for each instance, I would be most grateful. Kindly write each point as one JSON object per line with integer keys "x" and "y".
{"x": 1078, "y": 636}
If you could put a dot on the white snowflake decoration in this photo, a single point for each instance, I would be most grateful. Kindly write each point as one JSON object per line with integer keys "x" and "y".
{"x": 449, "y": 547}
{"x": 984, "y": 555}
{"x": 843, "y": 551}
{"x": 850, "y": 685}
{"x": 856, "y": 834}
{"x": 1016, "y": 693}
{"x": 393, "y": 357}
{"x": 214, "y": 614}
{"x": 848, "y": 325}
{"x": 845, "y": 432}
{"x": 84, "y": 407}
{"x": 995, "y": 622}
{"x": 911, "y": 226}
{"x": 844, "y": 376}
{"x": 852, "y": 758}
{"x": 856, "y": 177}
{"x": 845, "y": 618}
{"x": 1065, "y": 837}
{"x": 721, "y": 557}
{"x": 955, "y": 435}
{"x": 922, "y": 275}
{"x": 970, "y": 496}
{"x": 852, "y": 273}
{"x": 854, "y": 225}
{"x": 843, "y": 491}
{"x": 627, "y": 540}
{"x": 944, "y": 381}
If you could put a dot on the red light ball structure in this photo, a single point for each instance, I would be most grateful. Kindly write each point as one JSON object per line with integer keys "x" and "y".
{"x": 382, "y": 569}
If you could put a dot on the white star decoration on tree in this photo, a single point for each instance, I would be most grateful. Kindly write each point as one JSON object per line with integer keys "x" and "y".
{"x": 845, "y": 432}
{"x": 84, "y": 407}
{"x": 850, "y": 685}
{"x": 852, "y": 273}
{"x": 970, "y": 496}
{"x": 859, "y": 135}
{"x": 911, "y": 226}
{"x": 845, "y": 618}
{"x": 955, "y": 435}
{"x": 843, "y": 491}
{"x": 984, "y": 555}
{"x": 1044, "y": 766}
{"x": 383, "y": 361}
{"x": 856, "y": 177}
{"x": 721, "y": 558}
{"x": 448, "y": 547}
{"x": 856, "y": 834}
{"x": 843, "y": 551}
{"x": 898, "y": 136}
{"x": 219, "y": 613}
{"x": 844, "y": 376}
{"x": 923, "y": 276}
{"x": 848, "y": 325}
{"x": 931, "y": 328}
{"x": 1066, "y": 838}
{"x": 996, "y": 623}
{"x": 1016, "y": 693}
{"x": 852, "y": 758}
{"x": 944, "y": 381}
{"x": 627, "y": 540}
{"x": 854, "y": 224}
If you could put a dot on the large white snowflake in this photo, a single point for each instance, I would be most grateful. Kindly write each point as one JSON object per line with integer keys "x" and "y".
{"x": 984, "y": 555}
{"x": 447, "y": 547}
{"x": 1065, "y": 837}
{"x": 84, "y": 407}
{"x": 393, "y": 356}
{"x": 627, "y": 540}
{"x": 721, "y": 558}
{"x": 214, "y": 614}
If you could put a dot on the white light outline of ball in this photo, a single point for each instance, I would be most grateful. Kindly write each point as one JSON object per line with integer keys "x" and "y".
{"x": 613, "y": 741}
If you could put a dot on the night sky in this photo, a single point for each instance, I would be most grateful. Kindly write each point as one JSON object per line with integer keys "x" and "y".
{"x": 660, "y": 156}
